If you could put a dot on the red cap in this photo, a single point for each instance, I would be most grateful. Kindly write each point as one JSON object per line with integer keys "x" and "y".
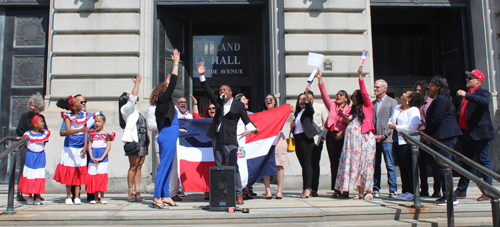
{"x": 477, "y": 73}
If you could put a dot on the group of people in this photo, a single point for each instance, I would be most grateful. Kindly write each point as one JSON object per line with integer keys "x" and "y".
{"x": 358, "y": 135}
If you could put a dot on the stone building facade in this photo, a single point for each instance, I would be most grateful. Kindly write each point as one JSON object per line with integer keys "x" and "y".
{"x": 95, "y": 48}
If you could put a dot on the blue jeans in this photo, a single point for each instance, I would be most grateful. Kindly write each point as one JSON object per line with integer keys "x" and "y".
{"x": 449, "y": 142}
{"x": 392, "y": 176}
{"x": 470, "y": 148}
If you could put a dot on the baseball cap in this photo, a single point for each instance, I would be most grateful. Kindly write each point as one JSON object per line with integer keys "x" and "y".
{"x": 477, "y": 73}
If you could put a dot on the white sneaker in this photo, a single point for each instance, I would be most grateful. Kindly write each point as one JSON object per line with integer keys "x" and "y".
{"x": 93, "y": 202}
{"x": 68, "y": 201}
{"x": 401, "y": 196}
{"x": 104, "y": 202}
{"x": 38, "y": 201}
{"x": 78, "y": 201}
{"x": 408, "y": 197}
{"x": 30, "y": 201}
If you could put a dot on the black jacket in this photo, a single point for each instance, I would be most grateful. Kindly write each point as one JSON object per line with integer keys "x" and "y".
{"x": 307, "y": 121}
{"x": 477, "y": 114}
{"x": 165, "y": 107}
{"x": 24, "y": 124}
{"x": 229, "y": 122}
{"x": 440, "y": 119}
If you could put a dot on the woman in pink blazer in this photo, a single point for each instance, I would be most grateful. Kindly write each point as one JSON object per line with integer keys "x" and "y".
{"x": 356, "y": 166}
{"x": 336, "y": 127}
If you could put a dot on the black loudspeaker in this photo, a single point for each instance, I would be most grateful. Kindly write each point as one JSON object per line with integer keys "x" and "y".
{"x": 222, "y": 187}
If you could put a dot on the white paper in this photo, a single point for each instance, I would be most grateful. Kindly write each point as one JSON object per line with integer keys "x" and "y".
{"x": 315, "y": 59}
{"x": 311, "y": 77}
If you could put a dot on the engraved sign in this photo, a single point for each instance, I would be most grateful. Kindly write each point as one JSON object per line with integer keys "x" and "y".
{"x": 222, "y": 55}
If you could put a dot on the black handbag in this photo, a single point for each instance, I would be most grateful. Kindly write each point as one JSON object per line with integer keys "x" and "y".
{"x": 131, "y": 148}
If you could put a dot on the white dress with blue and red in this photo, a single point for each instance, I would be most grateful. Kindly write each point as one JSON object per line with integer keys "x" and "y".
{"x": 33, "y": 179}
{"x": 72, "y": 168}
{"x": 98, "y": 172}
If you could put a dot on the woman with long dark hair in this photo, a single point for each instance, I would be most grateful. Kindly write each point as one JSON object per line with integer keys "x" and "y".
{"x": 356, "y": 167}
{"x": 336, "y": 127}
{"x": 405, "y": 118}
{"x": 442, "y": 126}
{"x": 303, "y": 132}
{"x": 134, "y": 128}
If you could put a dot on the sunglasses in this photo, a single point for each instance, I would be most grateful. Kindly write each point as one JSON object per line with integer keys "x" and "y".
{"x": 268, "y": 99}
{"x": 470, "y": 78}
{"x": 182, "y": 102}
{"x": 83, "y": 102}
{"x": 211, "y": 108}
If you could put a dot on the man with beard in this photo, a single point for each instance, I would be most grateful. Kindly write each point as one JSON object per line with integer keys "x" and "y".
{"x": 182, "y": 110}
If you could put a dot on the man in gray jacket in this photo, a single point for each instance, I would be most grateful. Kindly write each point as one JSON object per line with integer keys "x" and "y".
{"x": 382, "y": 111}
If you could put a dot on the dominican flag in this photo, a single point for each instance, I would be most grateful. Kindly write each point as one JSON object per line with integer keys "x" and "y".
{"x": 255, "y": 160}
{"x": 363, "y": 57}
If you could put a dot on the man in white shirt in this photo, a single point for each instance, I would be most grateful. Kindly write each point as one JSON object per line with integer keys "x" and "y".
{"x": 182, "y": 111}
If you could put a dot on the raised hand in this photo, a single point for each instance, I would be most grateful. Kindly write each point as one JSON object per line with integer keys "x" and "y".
{"x": 201, "y": 68}
{"x": 360, "y": 71}
{"x": 320, "y": 77}
{"x": 193, "y": 98}
{"x": 176, "y": 56}
{"x": 137, "y": 79}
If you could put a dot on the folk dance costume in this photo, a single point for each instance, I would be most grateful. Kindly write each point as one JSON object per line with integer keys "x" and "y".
{"x": 33, "y": 179}
{"x": 72, "y": 168}
{"x": 98, "y": 172}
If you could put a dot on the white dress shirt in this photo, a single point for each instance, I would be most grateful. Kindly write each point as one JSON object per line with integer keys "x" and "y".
{"x": 406, "y": 121}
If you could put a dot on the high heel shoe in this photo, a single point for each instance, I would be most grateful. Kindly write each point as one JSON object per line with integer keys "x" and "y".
{"x": 158, "y": 205}
{"x": 138, "y": 197}
{"x": 303, "y": 196}
{"x": 169, "y": 202}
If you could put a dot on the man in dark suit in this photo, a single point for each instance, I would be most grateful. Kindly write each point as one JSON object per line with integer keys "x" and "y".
{"x": 474, "y": 120}
{"x": 224, "y": 126}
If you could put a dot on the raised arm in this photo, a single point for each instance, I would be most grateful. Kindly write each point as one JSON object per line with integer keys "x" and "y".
{"x": 324, "y": 94}
{"x": 195, "y": 105}
{"x": 364, "y": 93}
{"x": 206, "y": 89}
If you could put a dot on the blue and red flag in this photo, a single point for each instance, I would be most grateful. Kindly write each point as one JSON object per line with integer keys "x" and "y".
{"x": 255, "y": 158}
{"x": 363, "y": 57}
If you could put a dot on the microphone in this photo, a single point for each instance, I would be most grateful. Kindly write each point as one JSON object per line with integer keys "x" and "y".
{"x": 223, "y": 96}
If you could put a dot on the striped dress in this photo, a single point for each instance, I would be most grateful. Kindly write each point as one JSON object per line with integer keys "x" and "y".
{"x": 72, "y": 168}
{"x": 98, "y": 172}
{"x": 33, "y": 179}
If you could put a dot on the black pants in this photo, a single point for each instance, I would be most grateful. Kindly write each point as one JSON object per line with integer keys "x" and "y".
{"x": 423, "y": 161}
{"x": 315, "y": 159}
{"x": 304, "y": 150}
{"x": 334, "y": 148}
{"x": 403, "y": 156}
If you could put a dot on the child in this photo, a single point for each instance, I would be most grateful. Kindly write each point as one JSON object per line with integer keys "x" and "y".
{"x": 72, "y": 168}
{"x": 100, "y": 144}
{"x": 33, "y": 179}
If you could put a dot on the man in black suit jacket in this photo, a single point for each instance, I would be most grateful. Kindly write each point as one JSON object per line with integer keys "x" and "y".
{"x": 474, "y": 120}
{"x": 224, "y": 125}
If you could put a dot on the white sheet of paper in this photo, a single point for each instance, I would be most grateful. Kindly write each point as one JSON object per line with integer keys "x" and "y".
{"x": 311, "y": 77}
{"x": 315, "y": 59}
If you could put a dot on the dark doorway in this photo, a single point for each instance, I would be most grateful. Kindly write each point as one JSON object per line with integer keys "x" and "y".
{"x": 417, "y": 43}
{"x": 24, "y": 54}
{"x": 232, "y": 40}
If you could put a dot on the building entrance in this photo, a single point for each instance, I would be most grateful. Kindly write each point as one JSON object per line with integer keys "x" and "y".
{"x": 230, "y": 39}
{"x": 417, "y": 43}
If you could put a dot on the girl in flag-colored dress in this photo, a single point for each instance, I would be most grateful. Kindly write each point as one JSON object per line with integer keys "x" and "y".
{"x": 100, "y": 144}
{"x": 72, "y": 168}
{"x": 33, "y": 179}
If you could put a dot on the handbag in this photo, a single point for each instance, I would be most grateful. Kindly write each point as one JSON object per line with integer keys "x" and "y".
{"x": 131, "y": 148}
{"x": 290, "y": 143}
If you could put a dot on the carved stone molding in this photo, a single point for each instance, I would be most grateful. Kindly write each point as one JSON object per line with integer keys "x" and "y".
{"x": 18, "y": 105}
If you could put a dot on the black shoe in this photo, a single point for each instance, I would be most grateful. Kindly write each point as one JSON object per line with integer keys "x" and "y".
{"x": 20, "y": 197}
{"x": 393, "y": 194}
{"x": 314, "y": 194}
{"x": 436, "y": 194}
{"x": 442, "y": 201}
{"x": 424, "y": 193}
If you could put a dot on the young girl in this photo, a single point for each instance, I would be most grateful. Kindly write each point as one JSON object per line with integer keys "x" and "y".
{"x": 100, "y": 144}
{"x": 33, "y": 179}
{"x": 72, "y": 168}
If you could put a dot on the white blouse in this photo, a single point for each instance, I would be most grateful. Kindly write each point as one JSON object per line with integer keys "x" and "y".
{"x": 406, "y": 121}
{"x": 130, "y": 116}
